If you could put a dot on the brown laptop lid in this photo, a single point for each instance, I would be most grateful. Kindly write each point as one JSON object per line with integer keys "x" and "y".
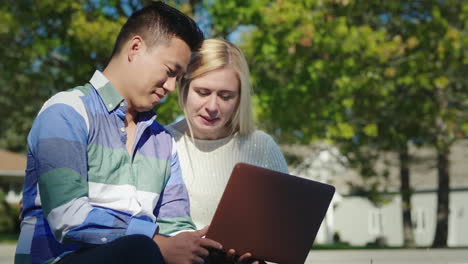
{"x": 274, "y": 216}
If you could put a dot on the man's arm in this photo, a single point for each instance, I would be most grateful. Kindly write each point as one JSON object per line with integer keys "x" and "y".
{"x": 58, "y": 142}
{"x": 173, "y": 208}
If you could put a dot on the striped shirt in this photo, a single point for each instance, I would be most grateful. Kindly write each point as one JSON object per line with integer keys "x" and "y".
{"x": 82, "y": 187}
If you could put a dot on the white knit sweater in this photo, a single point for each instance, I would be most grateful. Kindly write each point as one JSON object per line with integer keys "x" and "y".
{"x": 207, "y": 165}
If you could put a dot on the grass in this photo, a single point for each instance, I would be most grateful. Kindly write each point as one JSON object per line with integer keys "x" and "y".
{"x": 344, "y": 246}
{"x": 348, "y": 246}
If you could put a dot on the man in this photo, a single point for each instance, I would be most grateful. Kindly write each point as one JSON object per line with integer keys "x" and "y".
{"x": 103, "y": 183}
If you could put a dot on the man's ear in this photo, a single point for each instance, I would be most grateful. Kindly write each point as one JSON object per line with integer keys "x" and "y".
{"x": 135, "y": 46}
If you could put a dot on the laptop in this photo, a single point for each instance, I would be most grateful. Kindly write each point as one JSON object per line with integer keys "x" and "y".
{"x": 273, "y": 215}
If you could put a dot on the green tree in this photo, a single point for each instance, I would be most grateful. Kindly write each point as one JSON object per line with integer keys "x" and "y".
{"x": 51, "y": 46}
{"x": 435, "y": 78}
{"x": 447, "y": 68}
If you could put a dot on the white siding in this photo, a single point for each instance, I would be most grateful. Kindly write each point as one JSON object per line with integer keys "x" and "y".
{"x": 353, "y": 220}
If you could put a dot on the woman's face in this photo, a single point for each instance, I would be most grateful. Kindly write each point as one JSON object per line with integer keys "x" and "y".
{"x": 212, "y": 99}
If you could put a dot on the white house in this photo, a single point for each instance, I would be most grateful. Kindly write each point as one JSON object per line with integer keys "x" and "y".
{"x": 12, "y": 170}
{"x": 357, "y": 221}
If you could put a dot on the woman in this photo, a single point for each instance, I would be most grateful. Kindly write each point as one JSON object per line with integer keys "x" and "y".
{"x": 218, "y": 130}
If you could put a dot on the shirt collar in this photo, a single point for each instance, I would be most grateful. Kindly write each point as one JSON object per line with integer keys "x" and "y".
{"x": 110, "y": 96}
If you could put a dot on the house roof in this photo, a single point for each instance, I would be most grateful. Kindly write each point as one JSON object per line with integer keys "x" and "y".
{"x": 12, "y": 164}
{"x": 423, "y": 168}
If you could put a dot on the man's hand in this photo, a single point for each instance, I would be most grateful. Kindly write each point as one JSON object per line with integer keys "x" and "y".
{"x": 186, "y": 247}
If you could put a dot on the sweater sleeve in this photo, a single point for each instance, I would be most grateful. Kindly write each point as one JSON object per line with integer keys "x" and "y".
{"x": 173, "y": 209}
{"x": 273, "y": 158}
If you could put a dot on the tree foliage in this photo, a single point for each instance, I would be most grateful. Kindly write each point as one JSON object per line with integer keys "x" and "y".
{"x": 51, "y": 46}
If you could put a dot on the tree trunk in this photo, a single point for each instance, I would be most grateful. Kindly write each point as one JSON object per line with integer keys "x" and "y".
{"x": 406, "y": 192}
{"x": 443, "y": 163}
{"x": 444, "y": 140}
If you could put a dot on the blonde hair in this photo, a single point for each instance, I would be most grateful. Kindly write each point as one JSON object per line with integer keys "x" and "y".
{"x": 215, "y": 54}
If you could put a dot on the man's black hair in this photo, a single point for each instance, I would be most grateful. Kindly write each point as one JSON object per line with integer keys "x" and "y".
{"x": 158, "y": 23}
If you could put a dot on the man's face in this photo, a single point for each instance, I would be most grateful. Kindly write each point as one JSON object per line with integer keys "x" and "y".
{"x": 155, "y": 72}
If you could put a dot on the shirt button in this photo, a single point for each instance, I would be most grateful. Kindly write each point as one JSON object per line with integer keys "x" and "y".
{"x": 122, "y": 129}
{"x": 110, "y": 105}
{"x": 122, "y": 104}
{"x": 104, "y": 239}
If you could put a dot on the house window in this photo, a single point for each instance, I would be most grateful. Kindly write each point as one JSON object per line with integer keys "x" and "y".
{"x": 419, "y": 220}
{"x": 375, "y": 222}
